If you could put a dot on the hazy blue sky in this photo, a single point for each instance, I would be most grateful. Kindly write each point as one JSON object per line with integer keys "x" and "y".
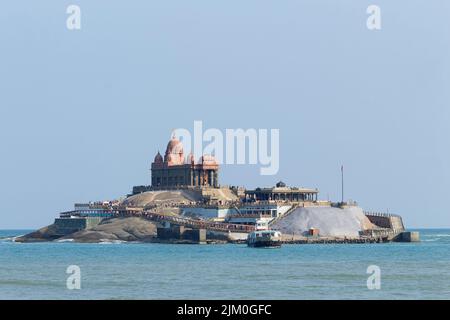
{"x": 82, "y": 113}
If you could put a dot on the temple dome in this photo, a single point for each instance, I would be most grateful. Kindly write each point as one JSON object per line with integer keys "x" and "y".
{"x": 281, "y": 184}
{"x": 174, "y": 152}
{"x": 174, "y": 146}
{"x": 158, "y": 158}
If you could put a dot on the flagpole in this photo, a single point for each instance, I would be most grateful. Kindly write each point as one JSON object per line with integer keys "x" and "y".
{"x": 342, "y": 181}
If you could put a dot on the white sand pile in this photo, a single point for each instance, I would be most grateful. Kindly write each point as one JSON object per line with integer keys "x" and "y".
{"x": 330, "y": 221}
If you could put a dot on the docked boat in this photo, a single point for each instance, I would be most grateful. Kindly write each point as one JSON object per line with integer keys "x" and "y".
{"x": 263, "y": 237}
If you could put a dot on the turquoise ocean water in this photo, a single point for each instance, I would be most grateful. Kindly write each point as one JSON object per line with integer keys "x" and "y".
{"x": 162, "y": 271}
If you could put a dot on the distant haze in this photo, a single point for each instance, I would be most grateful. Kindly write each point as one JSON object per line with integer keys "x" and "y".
{"x": 83, "y": 112}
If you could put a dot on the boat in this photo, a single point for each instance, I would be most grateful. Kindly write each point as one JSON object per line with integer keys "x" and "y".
{"x": 263, "y": 237}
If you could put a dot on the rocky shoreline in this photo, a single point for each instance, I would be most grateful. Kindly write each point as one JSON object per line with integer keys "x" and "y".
{"x": 116, "y": 229}
{"x": 110, "y": 230}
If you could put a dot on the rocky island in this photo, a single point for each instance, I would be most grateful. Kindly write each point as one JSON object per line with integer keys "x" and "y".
{"x": 186, "y": 204}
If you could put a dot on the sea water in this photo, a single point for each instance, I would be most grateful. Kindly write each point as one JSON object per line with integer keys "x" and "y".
{"x": 225, "y": 271}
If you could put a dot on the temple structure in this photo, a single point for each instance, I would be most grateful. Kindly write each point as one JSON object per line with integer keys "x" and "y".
{"x": 177, "y": 171}
{"x": 282, "y": 193}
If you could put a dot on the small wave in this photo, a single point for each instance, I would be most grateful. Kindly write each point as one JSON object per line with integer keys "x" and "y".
{"x": 10, "y": 239}
{"x": 65, "y": 240}
{"x": 436, "y": 235}
{"x": 107, "y": 241}
{"x": 29, "y": 283}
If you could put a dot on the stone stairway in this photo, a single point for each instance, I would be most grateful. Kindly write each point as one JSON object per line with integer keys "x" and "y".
{"x": 292, "y": 209}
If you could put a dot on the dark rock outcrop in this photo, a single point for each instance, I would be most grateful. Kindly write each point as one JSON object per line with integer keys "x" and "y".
{"x": 117, "y": 229}
{"x": 48, "y": 233}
